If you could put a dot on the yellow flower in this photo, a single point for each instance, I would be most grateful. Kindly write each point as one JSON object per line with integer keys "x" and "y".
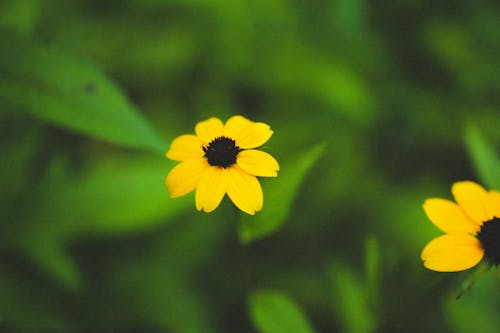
{"x": 472, "y": 227}
{"x": 220, "y": 159}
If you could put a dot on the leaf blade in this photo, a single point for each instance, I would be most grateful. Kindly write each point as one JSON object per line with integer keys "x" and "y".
{"x": 278, "y": 197}
{"x": 272, "y": 311}
{"x": 63, "y": 89}
{"x": 485, "y": 159}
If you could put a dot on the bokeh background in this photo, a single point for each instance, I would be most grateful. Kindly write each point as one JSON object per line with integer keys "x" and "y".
{"x": 375, "y": 106}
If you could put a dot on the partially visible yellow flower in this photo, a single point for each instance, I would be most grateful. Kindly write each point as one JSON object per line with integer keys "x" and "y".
{"x": 221, "y": 159}
{"x": 472, "y": 227}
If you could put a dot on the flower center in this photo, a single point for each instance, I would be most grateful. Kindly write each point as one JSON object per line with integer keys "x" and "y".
{"x": 489, "y": 236}
{"x": 221, "y": 151}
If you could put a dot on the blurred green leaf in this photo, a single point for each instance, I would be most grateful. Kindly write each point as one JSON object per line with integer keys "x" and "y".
{"x": 64, "y": 89}
{"x": 465, "y": 53}
{"x": 484, "y": 157}
{"x": 19, "y": 14}
{"x": 477, "y": 310}
{"x": 20, "y": 144}
{"x": 451, "y": 43}
{"x": 372, "y": 269}
{"x": 340, "y": 88}
{"x": 473, "y": 276}
{"x": 348, "y": 16}
{"x": 350, "y": 301}
{"x": 28, "y": 305}
{"x": 279, "y": 194}
{"x": 159, "y": 277}
{"x": 115, "y": 197}
{"x": 274, "y": 312}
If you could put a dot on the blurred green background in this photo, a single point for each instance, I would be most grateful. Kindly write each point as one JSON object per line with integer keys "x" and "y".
{"x": 376, "y": 105}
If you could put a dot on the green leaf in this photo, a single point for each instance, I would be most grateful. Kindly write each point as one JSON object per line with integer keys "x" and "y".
{"x": 477, "y": 310}
{"x": 474, "y": 275}
{"x": 274, "y": 312}
{"x": 63, "y": 89}
{"x": 116, "y": 197}
{"x": 159, "y": 277}
{"x": 21, "y": 15}
{"x": 484, "y": 157}
{"x": 350, "y": 301}
{"x": 279, "y": 194}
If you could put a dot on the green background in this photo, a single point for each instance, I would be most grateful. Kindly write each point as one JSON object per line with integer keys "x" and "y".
{"x": 375, "y": 106}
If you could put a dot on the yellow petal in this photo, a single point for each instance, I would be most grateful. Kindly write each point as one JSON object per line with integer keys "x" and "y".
{"x": 185, "y": 147}
{"x": 184, "y": 177}
{"x": 447, "y": 216}
{"x": 472, "y": 198}
{"x": 252, "y": 136}
{"x": 235, "y": 125}
{"x": 209, "y": 129}
{"x": 244, "y": 190}
{"x": 257, "y": 163}
{"x": 452, "y": 253}
{"x": 494, "y": 203}
{"x": 211, "y": 189}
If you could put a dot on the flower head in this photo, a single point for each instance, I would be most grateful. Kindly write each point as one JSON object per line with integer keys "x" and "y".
{"x": 471, "y": 226}
{"x": 221, "y": 159}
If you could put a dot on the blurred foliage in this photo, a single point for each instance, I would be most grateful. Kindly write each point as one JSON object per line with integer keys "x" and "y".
{"x": 484, "y": 157}
{"x": 374, "y": 107}
{"x": 274, "y": 312}
{"x": 279, "y": 197}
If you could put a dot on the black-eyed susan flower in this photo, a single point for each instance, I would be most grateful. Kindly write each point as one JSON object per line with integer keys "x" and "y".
{"x": 221, "y": 159}
{"x": 472, "y": 227}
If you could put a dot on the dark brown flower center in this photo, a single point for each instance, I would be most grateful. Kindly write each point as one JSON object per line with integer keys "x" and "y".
{"x": 489, "y": 236}
{"x": 221, "y": 151}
